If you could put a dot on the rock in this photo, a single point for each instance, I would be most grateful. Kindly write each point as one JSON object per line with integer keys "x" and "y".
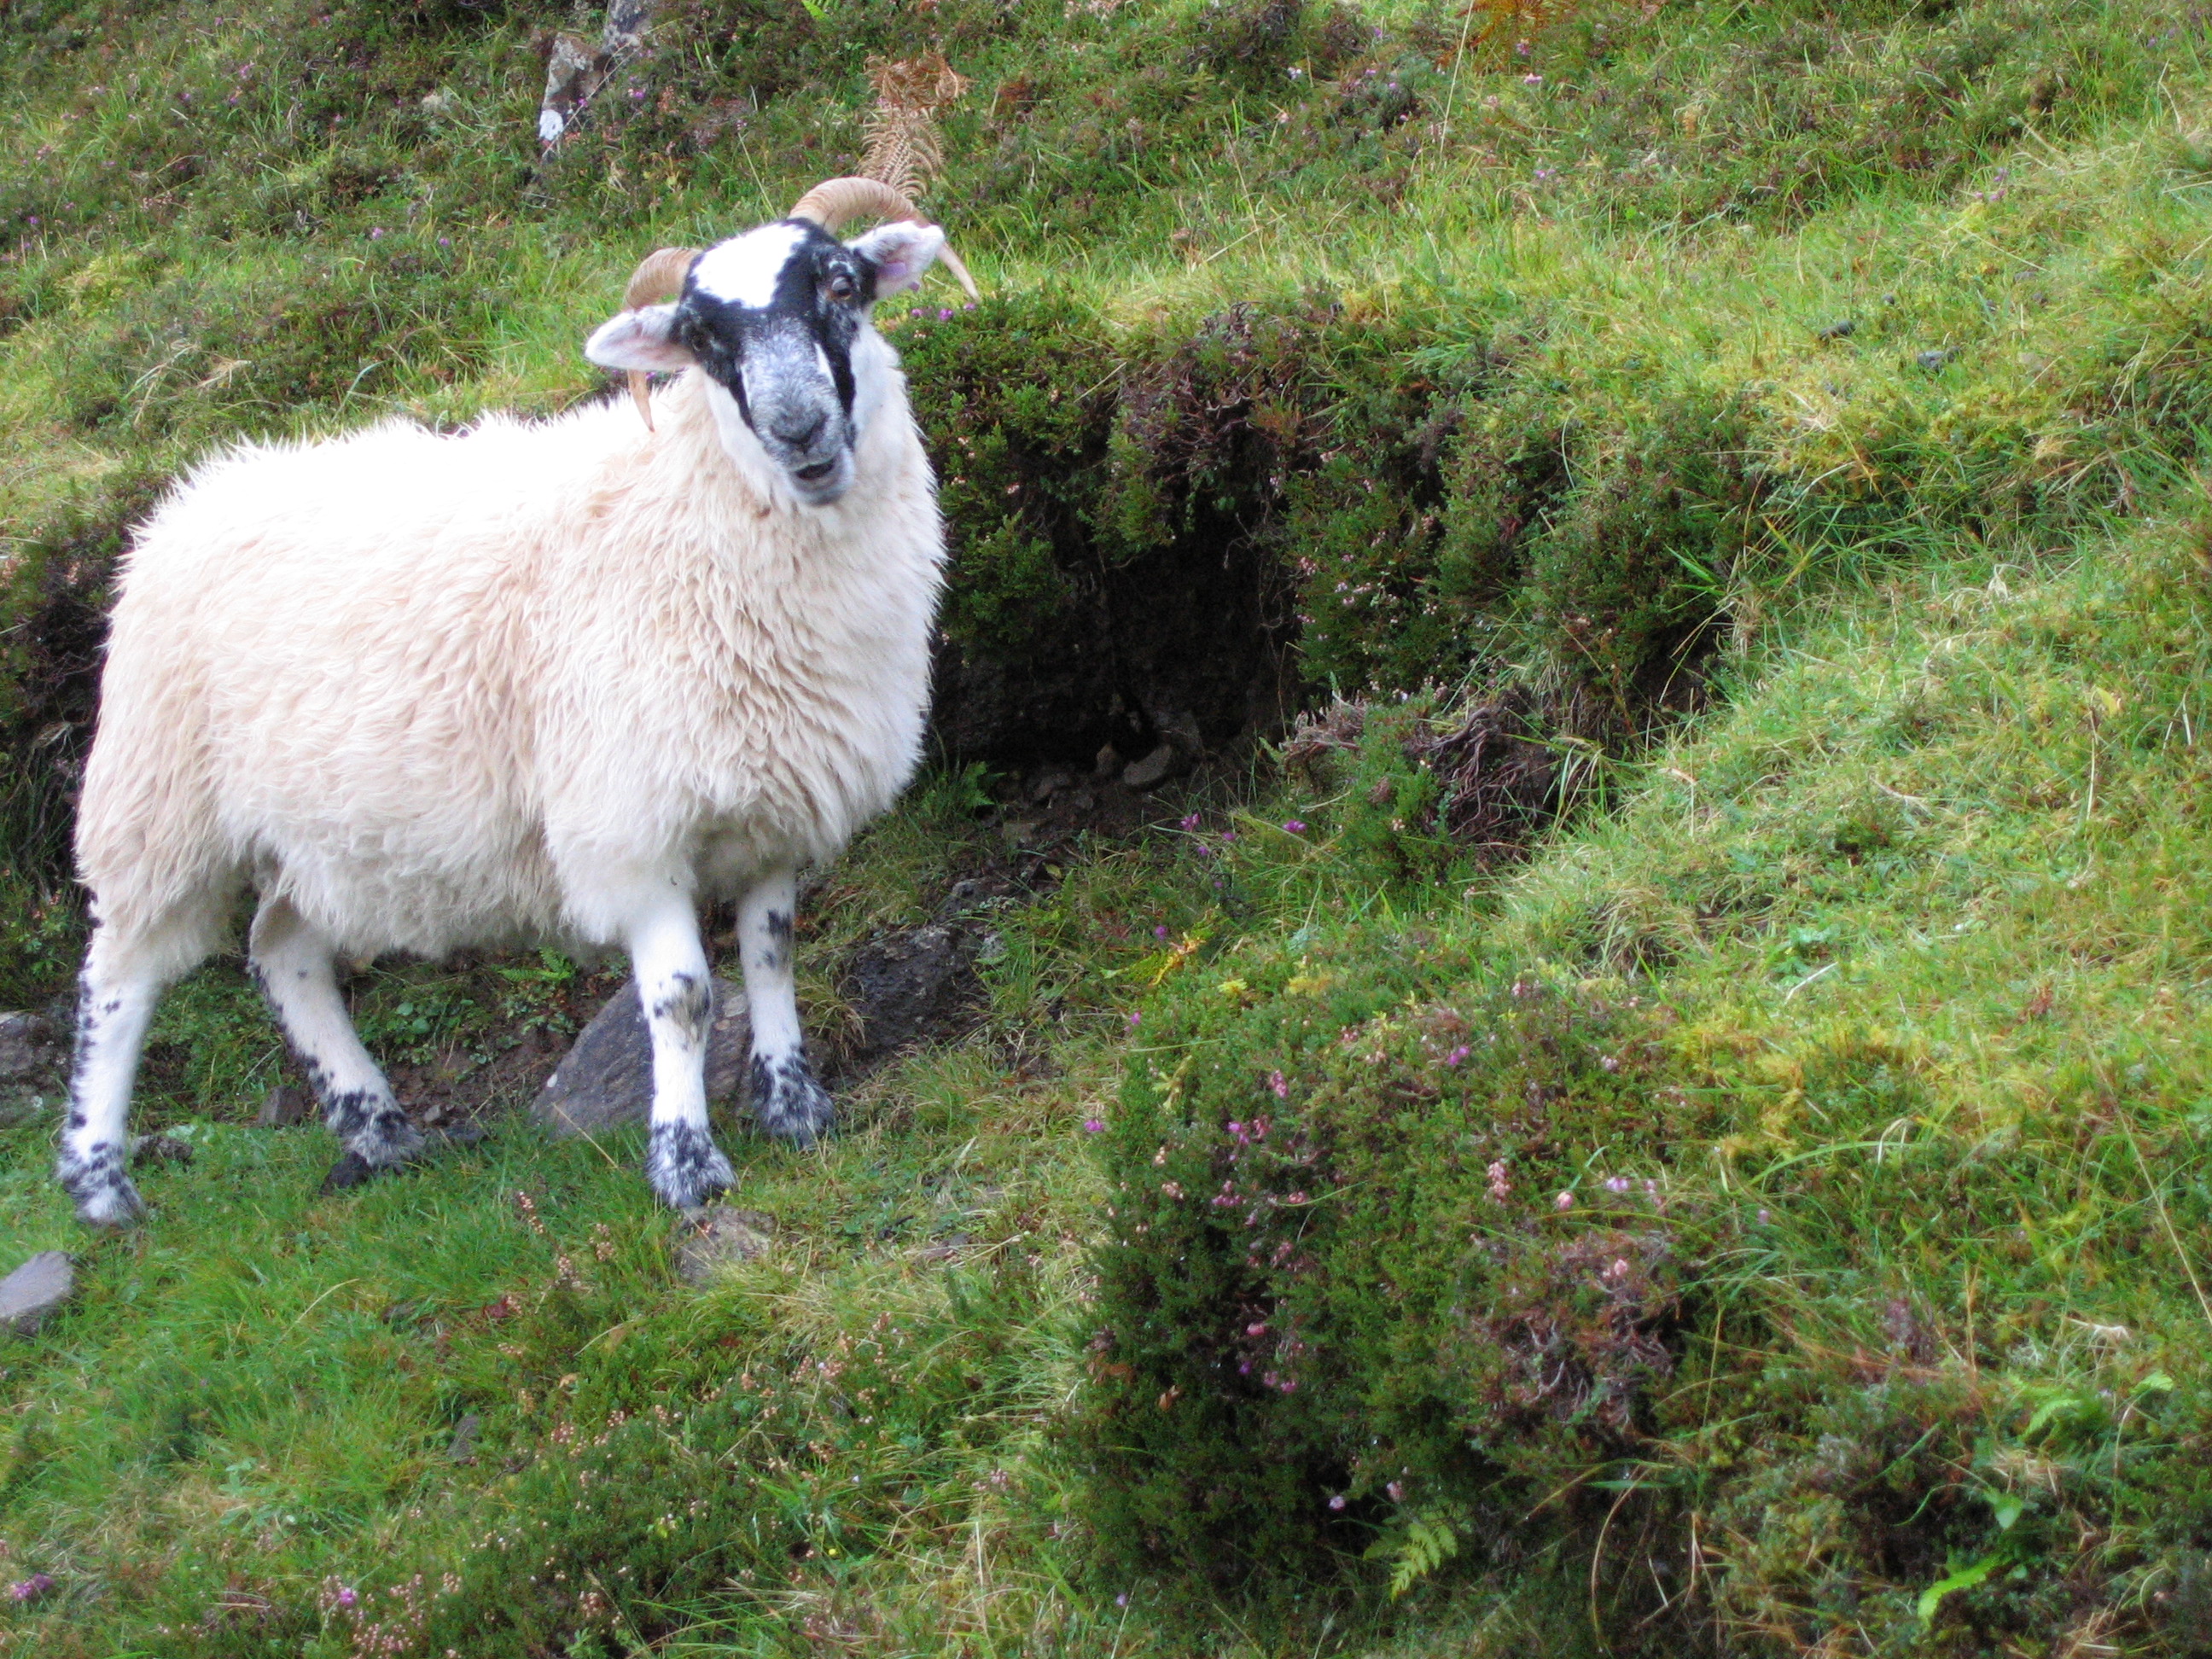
{"x": 159, "y": 1149}
{"x": 1842, "y": 329}
{"x": 1154, "y": 768}
{"x": 909, "y": 987}
{"x": 33, "y": 1291}
{"x": 31, "y": 1050}
{"x": 1108, "y": 764}
{"x": 605, "y": 1079}
{"x": 462, "y": 1448}
{"x": 1932, "y": 361}
{"x": 947, "y": 1248}
{"x": 717, "y": 1237}
{"x": 283, "y": 1107}
{"x": 1050, "y": 782}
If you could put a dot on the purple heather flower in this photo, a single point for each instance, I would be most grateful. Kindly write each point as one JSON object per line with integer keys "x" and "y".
{"x": 1397, "y": 1492}
{"x": 1191, "y": 823}
{"x": 1564, "y": 1202}
{"x": 1133, "y": 1018}
{"x": 1337, "y": 1502}
{"x": 376, "y": 232}
{"x": 1296, "y": 826}
{"x": 29, "y": 1589}
{"x": 1532, "y": 80}
{"x": 1160, "y": 931}
{"x": 1092, "y": 1125}
{"x": 1617, "y": 1183}
{"x": 1457, "y": 1054}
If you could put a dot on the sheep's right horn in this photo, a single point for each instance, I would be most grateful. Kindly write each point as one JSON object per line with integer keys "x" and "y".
{"x": 661, "y": 276}
{"x": 835, "y": 202}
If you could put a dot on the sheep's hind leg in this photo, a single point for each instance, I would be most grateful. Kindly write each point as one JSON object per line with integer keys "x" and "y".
{"x": 787, "y": 1101}
{"x": 292, "y": 963}
{"x": 682, "y": 1162}
{"x": 127, "y": 968}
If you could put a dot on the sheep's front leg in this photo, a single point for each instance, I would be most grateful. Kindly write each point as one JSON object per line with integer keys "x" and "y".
{"x": 682, "y": 1162}
{"x": 787, "y": 1100}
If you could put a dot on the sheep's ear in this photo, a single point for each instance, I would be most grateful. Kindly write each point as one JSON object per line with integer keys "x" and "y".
{"x": 901, "y": 253}
{"x": 642, "y": 340}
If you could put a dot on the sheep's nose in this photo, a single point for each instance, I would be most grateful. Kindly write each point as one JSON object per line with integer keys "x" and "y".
{"x": 799, "y": 430}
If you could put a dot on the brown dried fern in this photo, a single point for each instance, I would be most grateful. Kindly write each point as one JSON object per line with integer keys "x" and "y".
{"x": 904, "y": 148}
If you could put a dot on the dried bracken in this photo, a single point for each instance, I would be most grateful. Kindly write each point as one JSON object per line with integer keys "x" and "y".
{"x": 904, "y": 149}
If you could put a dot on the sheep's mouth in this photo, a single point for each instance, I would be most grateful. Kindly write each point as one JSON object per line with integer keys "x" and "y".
{"x": 815, "y": 474}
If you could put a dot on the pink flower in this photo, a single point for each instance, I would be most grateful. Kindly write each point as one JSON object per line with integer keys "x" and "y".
{"x": 1457, "y": 1054}
{"x": 347, "y": 1598}
{"x": 1296, "y": 826}
{"x": 1564, "y": 1201}
{"x": 1279, "y": 1085}
{"x": 29, "y": 1589}
{"x": 1191, "y": 823}
{"x": 1134, "y": 1017}
{"x": 1532, "y": 80}
{"x": 1160, "y": 931}
{"x": 1337, "y": 1502}
{"x": 1092, "y": 1125}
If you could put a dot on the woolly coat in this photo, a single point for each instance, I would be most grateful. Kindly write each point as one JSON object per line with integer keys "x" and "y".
{"x": 450, "y": 690}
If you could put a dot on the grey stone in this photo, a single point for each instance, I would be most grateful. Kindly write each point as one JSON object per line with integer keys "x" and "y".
{"x": 31, "y": 1050}
{"x": 1108, "y": 764}
{"x": 605, "y": 1079}
{"x": 1154, "y": 768}
{"x": 283, "y": 1107}
{"x": 35, "y": 1289}
{"x": 717, "y": 1237}
{"x": 916, "y": 985}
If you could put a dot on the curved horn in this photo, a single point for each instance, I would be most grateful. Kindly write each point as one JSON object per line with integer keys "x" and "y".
{"x": 659, "y": 277}
{"x": 836, "y": 202}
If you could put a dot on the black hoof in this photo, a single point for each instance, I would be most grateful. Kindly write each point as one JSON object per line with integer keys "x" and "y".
{"x": 350, "y": 1171}
{"x": 787, "y": 1103}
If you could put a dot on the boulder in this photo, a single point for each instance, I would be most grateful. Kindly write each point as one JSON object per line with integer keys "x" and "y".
{"x": 605, "y": 1079}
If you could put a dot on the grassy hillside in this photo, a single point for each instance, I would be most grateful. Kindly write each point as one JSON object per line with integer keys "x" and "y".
{"x": 1664, "y": 1117}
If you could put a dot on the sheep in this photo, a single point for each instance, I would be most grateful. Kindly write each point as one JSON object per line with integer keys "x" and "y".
{"x": 552, "y": 682}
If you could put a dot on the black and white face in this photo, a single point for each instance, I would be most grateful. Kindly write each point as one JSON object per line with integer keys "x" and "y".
{"x": 778, "y": 320}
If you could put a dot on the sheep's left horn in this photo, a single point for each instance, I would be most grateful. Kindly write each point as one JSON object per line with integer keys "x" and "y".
{"x": 659, "y": 277}
{"x": 835, "y": 202}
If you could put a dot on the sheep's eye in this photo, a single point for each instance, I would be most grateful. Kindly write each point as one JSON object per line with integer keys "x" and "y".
{"x": 843, "y": 287}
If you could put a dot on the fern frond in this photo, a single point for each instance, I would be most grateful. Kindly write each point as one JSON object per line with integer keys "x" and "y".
{"x": 904, "y": 148}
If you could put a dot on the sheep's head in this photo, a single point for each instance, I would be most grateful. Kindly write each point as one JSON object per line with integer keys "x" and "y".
{"x": 778, "y": 321}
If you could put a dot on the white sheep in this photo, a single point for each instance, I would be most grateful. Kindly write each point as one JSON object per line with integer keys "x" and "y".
{"x": 558, "y": 681}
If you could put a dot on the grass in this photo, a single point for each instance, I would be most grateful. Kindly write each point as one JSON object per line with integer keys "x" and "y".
{"x": 1796, "y": 410}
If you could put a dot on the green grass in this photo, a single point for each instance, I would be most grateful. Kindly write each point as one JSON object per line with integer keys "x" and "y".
{"x": 1875, "y": 650}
